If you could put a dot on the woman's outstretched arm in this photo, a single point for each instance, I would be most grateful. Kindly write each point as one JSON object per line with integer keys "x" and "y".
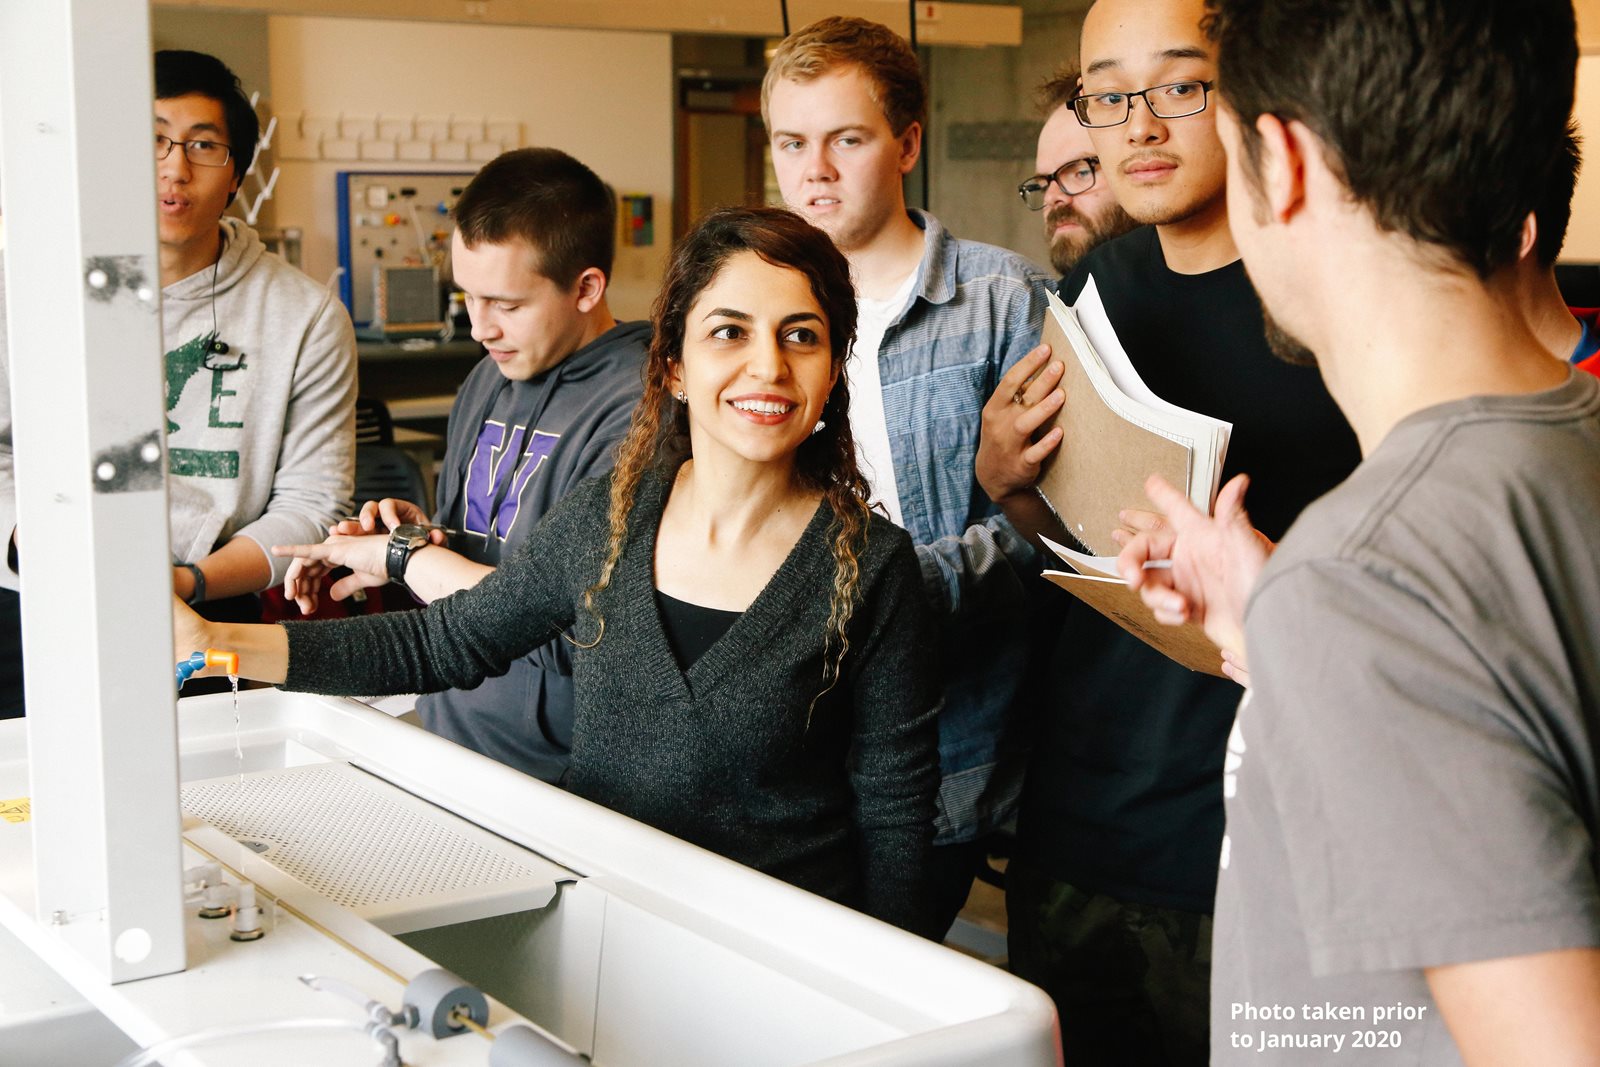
{"x": 263, "y": 650}
{"x": 456, "y": 642}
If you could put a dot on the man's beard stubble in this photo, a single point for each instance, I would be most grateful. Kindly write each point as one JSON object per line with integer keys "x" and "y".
{"x": 1066, "y": 250}
{"x": 1285, "y": 345}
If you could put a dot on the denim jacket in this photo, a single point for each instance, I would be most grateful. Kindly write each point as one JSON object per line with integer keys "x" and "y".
{"x": 974, "y": 311}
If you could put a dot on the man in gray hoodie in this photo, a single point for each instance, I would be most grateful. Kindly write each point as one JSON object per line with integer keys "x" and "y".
{"x": 544, "y": 410}
{"x": 260, "y": 371}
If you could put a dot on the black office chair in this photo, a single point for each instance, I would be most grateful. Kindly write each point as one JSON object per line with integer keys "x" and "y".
{"x": 388, "y": 470}
{"x": 382, "y": 468}
{"x": 374, "y": 426}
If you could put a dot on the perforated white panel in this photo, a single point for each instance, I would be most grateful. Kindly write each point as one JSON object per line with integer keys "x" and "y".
{"x": 354, "y": 838}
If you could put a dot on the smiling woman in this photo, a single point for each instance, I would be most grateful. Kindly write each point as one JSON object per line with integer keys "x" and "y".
{"x": 752, "y": 667}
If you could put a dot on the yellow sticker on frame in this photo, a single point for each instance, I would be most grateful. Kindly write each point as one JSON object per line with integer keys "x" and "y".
{"x": 15, "y": 811}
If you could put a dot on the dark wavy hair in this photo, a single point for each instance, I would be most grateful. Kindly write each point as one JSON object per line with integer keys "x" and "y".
{"x": 1447, "y": 119}
{"x": 1058, "y": 89}
{"x": 825, "y": 462}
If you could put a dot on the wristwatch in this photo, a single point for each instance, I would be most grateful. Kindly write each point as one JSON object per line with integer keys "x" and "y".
{"x": 404, "y": 540}
{"x": 198, "y": 594}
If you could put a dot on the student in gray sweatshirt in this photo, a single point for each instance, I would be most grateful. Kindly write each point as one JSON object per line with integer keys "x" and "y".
{"x": 260, "y": 372}
{"x": 544, "y": 409}
{"x": 751, "y": 648}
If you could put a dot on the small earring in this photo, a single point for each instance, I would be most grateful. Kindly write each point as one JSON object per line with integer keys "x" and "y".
{"x": 681, "y": 397}
{"x": 819, "y": 427}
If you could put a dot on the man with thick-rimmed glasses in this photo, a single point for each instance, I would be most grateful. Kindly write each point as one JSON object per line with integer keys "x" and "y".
{"x": 260, "y": 370}
{"x": 1080, "y": 211}
{"x": 1110, "y": 892}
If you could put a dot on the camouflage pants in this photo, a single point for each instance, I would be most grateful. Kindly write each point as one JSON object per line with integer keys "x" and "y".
{"x": 1131, "y": 982}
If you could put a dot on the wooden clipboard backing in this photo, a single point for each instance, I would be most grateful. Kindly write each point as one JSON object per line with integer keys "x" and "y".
{"x": 1104, "y": 460}
{"x": 1111, "y": 597}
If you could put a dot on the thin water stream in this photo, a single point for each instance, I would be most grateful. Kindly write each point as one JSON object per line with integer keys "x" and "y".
{"x": 238, "y": 746}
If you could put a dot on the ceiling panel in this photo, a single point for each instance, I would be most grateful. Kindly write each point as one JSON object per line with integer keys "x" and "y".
{"x": 938, "y": 23}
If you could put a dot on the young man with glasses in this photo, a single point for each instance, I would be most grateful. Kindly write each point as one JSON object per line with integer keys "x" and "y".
{"x": 260, "y": 364}
{"x": 941, "y": 320}
{"x": 1110, "y": 891}
{"x": 1079, "y": 210}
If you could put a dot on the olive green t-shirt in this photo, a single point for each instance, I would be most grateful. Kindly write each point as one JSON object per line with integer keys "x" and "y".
{"x": 1412, "y": 780}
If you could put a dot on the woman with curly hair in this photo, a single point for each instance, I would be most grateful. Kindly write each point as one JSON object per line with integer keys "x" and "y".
{"x": 751, "y": 664}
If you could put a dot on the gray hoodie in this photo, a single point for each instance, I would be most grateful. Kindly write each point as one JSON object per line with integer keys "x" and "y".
{"x": 514, "y": 450}
{"x": 261, "y": 439}
{"x": 267, "y": 450}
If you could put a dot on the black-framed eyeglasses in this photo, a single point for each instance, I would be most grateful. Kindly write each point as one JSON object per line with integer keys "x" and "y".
{"x": 1175, "y": 101}
{"x": 201, "y": 153}
{"x": 1074, "y": 179}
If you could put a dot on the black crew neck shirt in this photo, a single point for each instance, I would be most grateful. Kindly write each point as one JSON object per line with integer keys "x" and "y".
{"x": 1124, "y": 787}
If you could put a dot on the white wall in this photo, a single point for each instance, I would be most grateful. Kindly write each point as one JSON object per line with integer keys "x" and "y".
{"x": 1583, "y": 235}
{"x": 605, "y": 97}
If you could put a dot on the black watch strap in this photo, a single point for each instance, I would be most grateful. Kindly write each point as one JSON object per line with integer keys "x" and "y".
{"x": 198, "y": 595}
{"x": 403, "y": 540}
{"x": 399, "y": 555}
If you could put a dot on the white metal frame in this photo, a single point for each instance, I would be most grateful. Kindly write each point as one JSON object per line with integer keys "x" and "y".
{"x": 83, "y": 300}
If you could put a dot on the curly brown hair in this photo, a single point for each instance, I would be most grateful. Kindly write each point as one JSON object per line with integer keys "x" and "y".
{"x": 825, "y": 462}
{"x": 1058, "y": 89}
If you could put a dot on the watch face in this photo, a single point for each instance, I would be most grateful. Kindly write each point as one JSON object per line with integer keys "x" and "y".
{"x": 408, "y": 530}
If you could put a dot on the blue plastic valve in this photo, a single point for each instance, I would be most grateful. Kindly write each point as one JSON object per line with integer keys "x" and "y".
{"x": 211, "y": 657}
{"x": 187, "y": 667}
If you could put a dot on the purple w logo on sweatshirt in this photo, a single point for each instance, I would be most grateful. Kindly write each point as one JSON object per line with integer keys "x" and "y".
{"x": 497, "y": 456}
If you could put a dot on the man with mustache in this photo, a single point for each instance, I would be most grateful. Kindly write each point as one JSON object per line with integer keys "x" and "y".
{"x": 1079, "y": 210}
{"x": 1109, "y": 894}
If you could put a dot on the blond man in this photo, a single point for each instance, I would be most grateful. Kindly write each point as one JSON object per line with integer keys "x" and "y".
{"x": 941, "y": 320}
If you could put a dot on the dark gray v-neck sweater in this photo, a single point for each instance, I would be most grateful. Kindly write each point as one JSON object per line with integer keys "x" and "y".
{"x": 720, "y": 755}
